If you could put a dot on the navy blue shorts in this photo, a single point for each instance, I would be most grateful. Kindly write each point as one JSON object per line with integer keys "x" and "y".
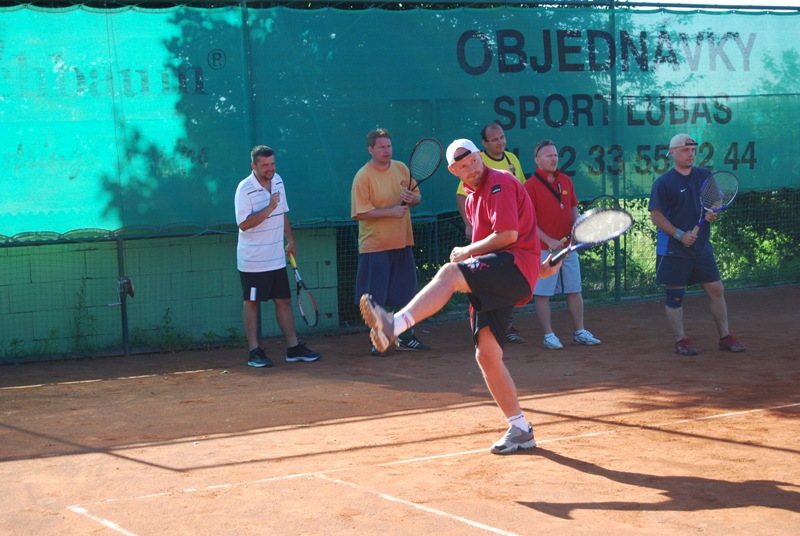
{"x": 685, "y": 271}
{"x": 263, "y": 286}
{"x": 496, "y": 286}
{"x": 390, "y": 276}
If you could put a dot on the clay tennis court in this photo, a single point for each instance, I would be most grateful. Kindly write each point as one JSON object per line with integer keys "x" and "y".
{"x": 633, "y": 439}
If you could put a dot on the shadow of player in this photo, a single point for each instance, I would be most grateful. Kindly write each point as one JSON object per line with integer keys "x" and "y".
{"x": 683, "y": 493}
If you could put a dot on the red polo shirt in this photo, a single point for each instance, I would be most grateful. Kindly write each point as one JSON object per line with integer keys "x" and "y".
{"x": 500, "y": 203}
{"x": 553, "y": 217}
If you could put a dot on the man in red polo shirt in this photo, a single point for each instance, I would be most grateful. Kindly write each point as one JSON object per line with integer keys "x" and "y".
{"x": 556, "y": 207}
{"x": 498, "y": 271}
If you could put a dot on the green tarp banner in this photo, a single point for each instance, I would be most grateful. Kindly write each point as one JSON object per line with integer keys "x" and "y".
{"x": 121, "y": 118}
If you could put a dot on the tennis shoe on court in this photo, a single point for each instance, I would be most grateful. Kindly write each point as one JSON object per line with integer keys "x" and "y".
{"x": 381, "y": 323}
{"x": 551, "y": 342}
{"x": 259, "y": 359}
{"x": 515, "y": 439}
{"x": 685, "y": 347}
{"x": 731, "y": 344}
{"x": 375, "y": 353}
{"x": 513, "y": 336}
{"x": 411, "y": 343}
{"x": 585, "y": 337}
{"x": 301, "y": 353}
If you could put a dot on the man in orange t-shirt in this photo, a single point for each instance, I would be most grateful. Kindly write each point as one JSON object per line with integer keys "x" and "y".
{"x": 381, "y": 197}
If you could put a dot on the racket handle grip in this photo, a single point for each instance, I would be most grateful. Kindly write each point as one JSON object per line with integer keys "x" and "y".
{"x": 403, "y": 203}
{"x": 696, "y": 228}
{"x": 292, "y": 261}
{"x": 558, "y": 256}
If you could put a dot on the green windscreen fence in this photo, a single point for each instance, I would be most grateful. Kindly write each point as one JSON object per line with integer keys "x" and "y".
{"x": 130, "y": 117}
{"x": 124, "y": 133}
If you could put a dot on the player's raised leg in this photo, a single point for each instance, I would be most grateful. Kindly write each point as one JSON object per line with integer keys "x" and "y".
{"x": 386, "y": 327}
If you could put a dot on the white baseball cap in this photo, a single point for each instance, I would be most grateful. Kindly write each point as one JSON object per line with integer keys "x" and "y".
{"x": 462, "y": 143}
{"x": 681, "y": 140}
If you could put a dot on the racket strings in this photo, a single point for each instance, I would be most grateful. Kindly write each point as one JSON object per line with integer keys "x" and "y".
{"x": 425, "y": 160}
{"x": 602, "y": 226}
{"x": 719, "y": 190}
{"x": 305, "y": 303}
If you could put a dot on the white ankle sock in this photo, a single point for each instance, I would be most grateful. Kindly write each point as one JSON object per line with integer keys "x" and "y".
{"x": 402, "y": 322}
{"x": 519, "y": 422}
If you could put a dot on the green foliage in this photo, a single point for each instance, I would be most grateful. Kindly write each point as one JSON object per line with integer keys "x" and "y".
{"x": 15, "y": 348}
{"x": 47, "y": 347}
{"x": 165, "y": 336}
{"x": 171, "y": 337}
{"x": 236, "y": 338}
{"x": 757, "y": 239}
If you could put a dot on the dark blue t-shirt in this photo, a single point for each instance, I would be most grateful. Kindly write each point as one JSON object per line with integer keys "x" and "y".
{"x": 678, "y": 198}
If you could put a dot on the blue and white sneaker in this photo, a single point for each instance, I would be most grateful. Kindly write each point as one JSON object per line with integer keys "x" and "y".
{"x": 584, "y": 337}
{"x": 259, "y": 359}
{"x": 551, "y": 342}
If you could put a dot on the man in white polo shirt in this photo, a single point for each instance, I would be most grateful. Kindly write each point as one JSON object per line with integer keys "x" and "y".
{"x": 262, "y": 217}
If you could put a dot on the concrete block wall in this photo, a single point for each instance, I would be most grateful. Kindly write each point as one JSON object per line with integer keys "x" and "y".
{"x": 62, "y": 298}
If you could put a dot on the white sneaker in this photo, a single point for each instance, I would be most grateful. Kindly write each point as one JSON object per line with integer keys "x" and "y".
{"x": 584, "y": 337}
{"x": 513, "y": 440}
{"x": 551, "y": 342}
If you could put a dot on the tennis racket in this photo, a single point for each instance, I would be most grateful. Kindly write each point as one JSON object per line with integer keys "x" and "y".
{"x": 425, "y": 160}
{"x": 305, "y": 300}
{"x": 595, "y": 227}
{"x": 717, "y": 193}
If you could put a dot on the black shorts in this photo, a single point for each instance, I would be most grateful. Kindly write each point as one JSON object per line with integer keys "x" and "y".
{"x": 263, "y": 286}
{"x": 496, "y": 286}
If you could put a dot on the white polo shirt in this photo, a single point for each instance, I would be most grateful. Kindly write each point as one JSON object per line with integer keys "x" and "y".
{"x": 260, "y": 248}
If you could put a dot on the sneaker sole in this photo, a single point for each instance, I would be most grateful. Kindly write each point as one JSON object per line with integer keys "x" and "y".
{"x": 259, "y": 365}
{"x": 305, "y": 359}
{"x": 551, "y": 347}
{"x": 373, "y": 320}
{"x": 528, "y": 445}
{"x": 401, "y": 348}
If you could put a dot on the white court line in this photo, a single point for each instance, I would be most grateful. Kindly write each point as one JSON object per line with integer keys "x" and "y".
{"x": 723, "y": 415}
{"x": 97, "y": 380}
{"x": 323, "y": 474}
{"x": 106, "y": 522}
{"x": 419, "y": 506}
{"x": 478, "y": 451}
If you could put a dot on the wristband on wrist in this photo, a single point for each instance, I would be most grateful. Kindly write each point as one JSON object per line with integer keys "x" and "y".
{"x": 678, "y": 234}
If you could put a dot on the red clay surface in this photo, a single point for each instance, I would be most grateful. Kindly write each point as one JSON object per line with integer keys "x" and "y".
{"x": 633, "y": 439}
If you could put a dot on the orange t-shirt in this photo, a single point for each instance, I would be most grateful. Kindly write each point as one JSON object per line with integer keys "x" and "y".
{"x": 375, "y": 188}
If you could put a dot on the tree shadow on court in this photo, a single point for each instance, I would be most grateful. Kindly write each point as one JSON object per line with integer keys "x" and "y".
{"x": 684, "y": 493}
